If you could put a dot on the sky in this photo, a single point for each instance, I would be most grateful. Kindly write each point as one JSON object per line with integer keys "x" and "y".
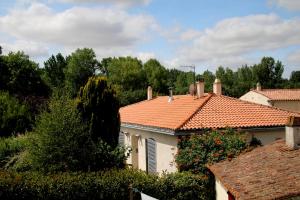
{"x": 203, "y": 33}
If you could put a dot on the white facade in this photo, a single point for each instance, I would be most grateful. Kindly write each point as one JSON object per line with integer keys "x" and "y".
{"x": 166, "y": 148}
{"x": 290, "y": 105}
{"x": 221, "y": 192}
{"x": 254, "y": 97}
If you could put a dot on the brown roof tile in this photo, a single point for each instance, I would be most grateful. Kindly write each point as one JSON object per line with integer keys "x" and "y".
{"x": 268, "y": 172}
{"x": 186, "y": 112}
{"x": 280, "y": 94}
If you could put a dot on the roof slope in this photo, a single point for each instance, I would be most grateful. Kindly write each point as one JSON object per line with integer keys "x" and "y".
{"x": 268, "y": 172}
{"x": 222, "y": 111}
{"x": 158, "y": 112}
{"x": 280, "y": 94}
{"x": 186, "y": 112}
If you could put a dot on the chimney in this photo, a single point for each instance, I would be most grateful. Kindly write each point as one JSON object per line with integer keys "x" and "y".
{"x": 292, "y": 132}
{"x": 217, "y": 87}
{"x": 170, "y": 95}
{"x": 200, "y": 89}
{"x": 258, "y": 87}
{"x": 149, "y": 93}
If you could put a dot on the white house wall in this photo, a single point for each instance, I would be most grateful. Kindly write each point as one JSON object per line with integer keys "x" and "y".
{"x": 221, "y": 192}
{"x": 255, "y": 98}
{"x": 267, "y": 137}
{"x": 166, "y": 148}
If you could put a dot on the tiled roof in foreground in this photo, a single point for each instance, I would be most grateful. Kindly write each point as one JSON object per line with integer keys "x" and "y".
{"x": 187, "y": 112}
{"x": 268, "y": 172}
{"x": 158, "y": 112}
{"x": 280, "y": 94}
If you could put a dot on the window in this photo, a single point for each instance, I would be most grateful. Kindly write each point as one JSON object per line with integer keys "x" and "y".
{"x": 121, "y": 138}
{"x": 151, "y": 155}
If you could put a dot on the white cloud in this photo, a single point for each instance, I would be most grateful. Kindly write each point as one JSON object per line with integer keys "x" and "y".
{"x": 105, "y": 29}
{"x": 118, "y": 2}
{"x": 30, "y": 48}
{"x": 145, "y": 56}
{"x": 234, "y": 38}
{"x": 294, "y": 58}
{"x": 288, "y": 4}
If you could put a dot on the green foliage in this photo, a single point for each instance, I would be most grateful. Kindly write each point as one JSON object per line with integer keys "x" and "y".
{"x": 24, "y": 76}
{"x": 14, "y": 117}
{"x": 54, "y": 70}
{"x": 196, "y": 151}
{"x": 295, "y": 79}
{"x": 11, "y": 146}
{"x": 81, "y": 65}
{"x": 268, "y": 72}
{"x": 62, "y": 142}
{"x": 126, "y": 75}
{"x": 113, "y": 185}
{"x": 100, "y": 109}
{"x": 156, "y": 76}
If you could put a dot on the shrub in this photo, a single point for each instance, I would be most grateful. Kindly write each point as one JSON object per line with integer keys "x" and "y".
{"x": 113, "y": 184}
{"x": 62, "y": 142}
{"x": 11, "y": 146}
{"x": 196, "y": 151}
{"x": 14, "y": 117}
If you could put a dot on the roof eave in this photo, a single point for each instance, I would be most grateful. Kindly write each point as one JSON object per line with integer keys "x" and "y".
{"x": 155, "y": 129}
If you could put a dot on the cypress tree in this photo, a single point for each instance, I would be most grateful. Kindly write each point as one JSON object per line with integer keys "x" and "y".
{"x": 100, "y": 108}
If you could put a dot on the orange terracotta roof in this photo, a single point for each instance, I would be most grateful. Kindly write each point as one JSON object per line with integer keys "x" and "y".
{"x": 186, "y": 112}
{"x": 223, "y": 111}
{"x": 268, "y": 172}
{"x": 280, "y": 94}
{"x": 158, "y": 112}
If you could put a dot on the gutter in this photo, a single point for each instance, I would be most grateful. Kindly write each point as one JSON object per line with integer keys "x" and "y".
{"x": 196, "y": 131}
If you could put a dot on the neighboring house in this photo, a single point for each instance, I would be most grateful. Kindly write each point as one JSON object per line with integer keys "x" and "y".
{"x": 268, "y": 172}
{"x": 152, "y": 127}
{"x": 287, "y": 99}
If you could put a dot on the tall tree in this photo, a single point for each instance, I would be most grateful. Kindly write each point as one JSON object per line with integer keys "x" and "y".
{"x": 100, "y": 108}
{"x": 295, "y": 79}
{"x": 156, "y": 76}
{"x": 208, "y": 78}
{"x": 268, "y": 72}
{"x": 127, "y": 76}
{"x": 82, "y": 64}
{"x": 25, "y": 77}
{"x": 54, "y": 70}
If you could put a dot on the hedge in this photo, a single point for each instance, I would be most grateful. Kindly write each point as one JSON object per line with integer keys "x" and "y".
{"x": 113, "y": 184}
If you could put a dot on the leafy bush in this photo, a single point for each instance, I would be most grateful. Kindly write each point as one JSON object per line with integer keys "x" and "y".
{"x": 14, "y": 117}
{"x": 195, "y": 151}
{"x": 113, "y": 184}
{"x": 62, "y": 142}
{"x": 11, "y": 146}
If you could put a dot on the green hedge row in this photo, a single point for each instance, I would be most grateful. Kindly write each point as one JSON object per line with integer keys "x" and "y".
{"x": 113, "y": 184}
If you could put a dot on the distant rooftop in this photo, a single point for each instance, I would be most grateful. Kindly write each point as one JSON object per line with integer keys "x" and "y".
{"x": 268, "y": 172}
{"x": 280, "y": 94}
{"x": 188, "y": 112}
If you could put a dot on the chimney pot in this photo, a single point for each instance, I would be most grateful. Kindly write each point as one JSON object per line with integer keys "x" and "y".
{"x": 170, "y": 95}
{"x": 200, "y": 89}
{"x": 217, "y": 87}
{"x": 292, "y": 132}
{"x": 149, "y": 93}
{"x": 258, "y": 87}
